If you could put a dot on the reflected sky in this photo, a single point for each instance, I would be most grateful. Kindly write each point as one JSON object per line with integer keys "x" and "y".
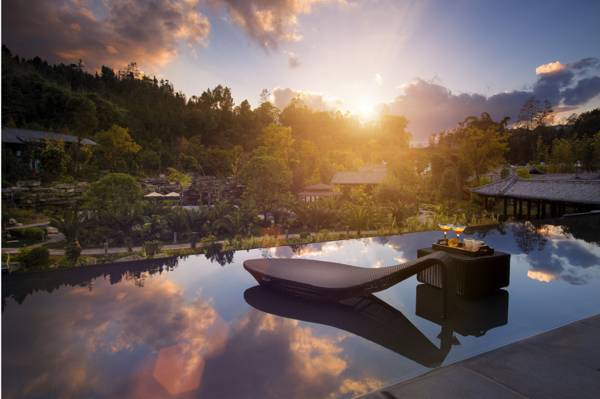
{"x": 200, "y": 328}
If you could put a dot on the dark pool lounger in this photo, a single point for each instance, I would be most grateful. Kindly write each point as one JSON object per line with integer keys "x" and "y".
{"x": 337, "y": 281}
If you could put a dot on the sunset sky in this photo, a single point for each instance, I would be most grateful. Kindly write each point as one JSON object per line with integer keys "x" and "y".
{"x": 420, "y": 58}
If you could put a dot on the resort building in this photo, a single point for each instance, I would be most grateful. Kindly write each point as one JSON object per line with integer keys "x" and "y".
{"x": 22, "y": 142}
{"x": 317, "y": 191}
{"x": 369, "y": 176}
{"x": 548, "y": 195}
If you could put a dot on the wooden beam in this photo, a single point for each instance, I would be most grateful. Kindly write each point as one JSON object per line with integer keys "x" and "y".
{"x": 528, "y": 209}
{"x": 505, "y": 207}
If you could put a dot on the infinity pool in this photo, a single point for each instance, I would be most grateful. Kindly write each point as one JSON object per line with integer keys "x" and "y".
{"x": 200, "y": 328}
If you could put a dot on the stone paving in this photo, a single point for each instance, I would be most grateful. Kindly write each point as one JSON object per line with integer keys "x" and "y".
{"x": 562, "y": 363}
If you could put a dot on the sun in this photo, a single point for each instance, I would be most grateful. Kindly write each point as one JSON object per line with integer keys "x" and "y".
{"x": 365, "y": 109}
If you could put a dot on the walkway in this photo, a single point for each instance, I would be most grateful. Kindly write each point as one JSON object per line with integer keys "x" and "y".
{"x": 121, "y": 250}
{"x": 562, "y": 363}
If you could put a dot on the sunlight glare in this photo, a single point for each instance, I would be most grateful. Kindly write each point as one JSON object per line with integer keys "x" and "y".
{"x": 365, "y": 109}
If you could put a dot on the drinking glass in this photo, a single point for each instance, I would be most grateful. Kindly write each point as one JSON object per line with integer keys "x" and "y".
{"x": 445, "y": 227}
{"x": 458, "y": 230}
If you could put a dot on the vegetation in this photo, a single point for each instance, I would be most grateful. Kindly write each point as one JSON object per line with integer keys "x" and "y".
{"x": 144, "y": 127}
{"x": 35, "y": 258}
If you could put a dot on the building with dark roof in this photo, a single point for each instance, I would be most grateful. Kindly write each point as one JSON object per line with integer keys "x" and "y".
{"x": 365, "y": 176}
{"x": 22, "y": 136}
{"x": 23, "y": 142}
{"x": 557, "y": 194}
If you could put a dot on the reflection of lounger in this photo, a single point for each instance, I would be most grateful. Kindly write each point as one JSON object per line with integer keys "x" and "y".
{"x": 336, "y": 281}
{"x": 367, "y": 317}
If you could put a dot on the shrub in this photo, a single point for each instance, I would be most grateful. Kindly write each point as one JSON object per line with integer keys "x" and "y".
{"x": 523, "y": 173}
{"x": 151, "y": 248}
{"x": 34, "y": 234}
{"x": 193, "y": 239}
{"x": 35, "y": 258}
{"x": 73, "y": 251}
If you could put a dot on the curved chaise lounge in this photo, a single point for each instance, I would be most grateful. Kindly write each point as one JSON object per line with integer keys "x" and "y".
{"x": 337, "y": 281}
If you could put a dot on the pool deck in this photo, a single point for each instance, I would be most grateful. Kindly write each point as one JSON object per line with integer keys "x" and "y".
{"x": 561, "y": 363}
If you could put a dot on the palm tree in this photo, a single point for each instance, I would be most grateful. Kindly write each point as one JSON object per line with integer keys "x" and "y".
{"x": 358, "y": 217}
{"x": 177, "y": 221}
{"x": 69, "y": 223}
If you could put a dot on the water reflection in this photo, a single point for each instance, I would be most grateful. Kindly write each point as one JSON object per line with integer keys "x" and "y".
{"x": 19, "y": 286}
{"x": 555, "y": 253}
{"x": 367, "y": 317}
{"x": 375, "y": 320}
{"x": 189, "y": 328}
{"x": 215, "y": 253}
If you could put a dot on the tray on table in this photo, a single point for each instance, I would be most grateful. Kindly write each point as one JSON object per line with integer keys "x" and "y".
{"x": 483, "y": 250}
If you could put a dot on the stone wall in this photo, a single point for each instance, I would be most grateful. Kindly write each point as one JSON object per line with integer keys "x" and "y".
{"x": 36, "y": 196}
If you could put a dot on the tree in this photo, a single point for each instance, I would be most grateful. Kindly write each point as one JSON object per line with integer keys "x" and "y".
{"x": 53, "y": 160}
{"x": 178, "y": 221}
{"x": 535, "y": 114}
{"x": 358, "y": 217}
{"x": 267, "y": 180}
{"x": 481, "y": 150}
{"x": 115, "y": 148}
{"x": 318, "y": 214}
{"x": 277, "y": 140}
{"x": 528, "y": 111}
{"x": 70, "y": 222}
{"x": 562, "y": 156}
{"x": 115, "y": 201}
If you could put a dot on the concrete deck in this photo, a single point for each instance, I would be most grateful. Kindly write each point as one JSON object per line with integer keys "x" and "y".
{"x": 562, "y": 363}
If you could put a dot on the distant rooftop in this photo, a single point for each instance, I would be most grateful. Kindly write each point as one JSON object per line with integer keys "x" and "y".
{"x": 366, "y": 175}
{"x": 550, "y": 187}
{"x": 19, "y": 136}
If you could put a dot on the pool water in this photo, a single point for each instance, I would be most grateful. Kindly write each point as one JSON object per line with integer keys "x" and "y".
{"x": 199, "y": 327}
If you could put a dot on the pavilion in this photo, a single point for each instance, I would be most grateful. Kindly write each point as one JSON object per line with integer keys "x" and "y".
{"x": 543, "y": 196}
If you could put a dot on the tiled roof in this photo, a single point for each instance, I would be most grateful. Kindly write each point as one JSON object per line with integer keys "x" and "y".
{"x": 582, "y": 191}
{"x": 19, "y": 136}
{"x": 366, "y": 175}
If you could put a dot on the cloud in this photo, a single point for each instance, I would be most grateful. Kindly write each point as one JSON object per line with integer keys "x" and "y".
{"x": 430, "y": 107}
{"x": 283, "y": 96}
{"x": 98, "y": 32}
{"x": 585, "y": 90}
{"x": 293, "y": 60}
{"x": 269, "y": 22}
{"x": 551, "y": 67}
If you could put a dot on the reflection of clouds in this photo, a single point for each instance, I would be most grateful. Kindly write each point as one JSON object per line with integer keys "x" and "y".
{"x": 356, "y": 387}
{"x": 570, "y": 259}
{"x": 400, "y": 258}
{"x": 282, "y": 358}
{"x": 552, "y": 231}
{"x": 306, "y": 250}
{"x": 544, "y": 277}
{"x": 110, "y": 323}
{"x": 148, "y": 342}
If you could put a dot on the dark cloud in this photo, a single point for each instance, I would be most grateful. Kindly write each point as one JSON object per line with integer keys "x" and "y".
{"x": 269, "y": 22}
{"x": 102, "y": 32}
{"x": 584, "y": 90}
{"x": 563, "y": 86}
